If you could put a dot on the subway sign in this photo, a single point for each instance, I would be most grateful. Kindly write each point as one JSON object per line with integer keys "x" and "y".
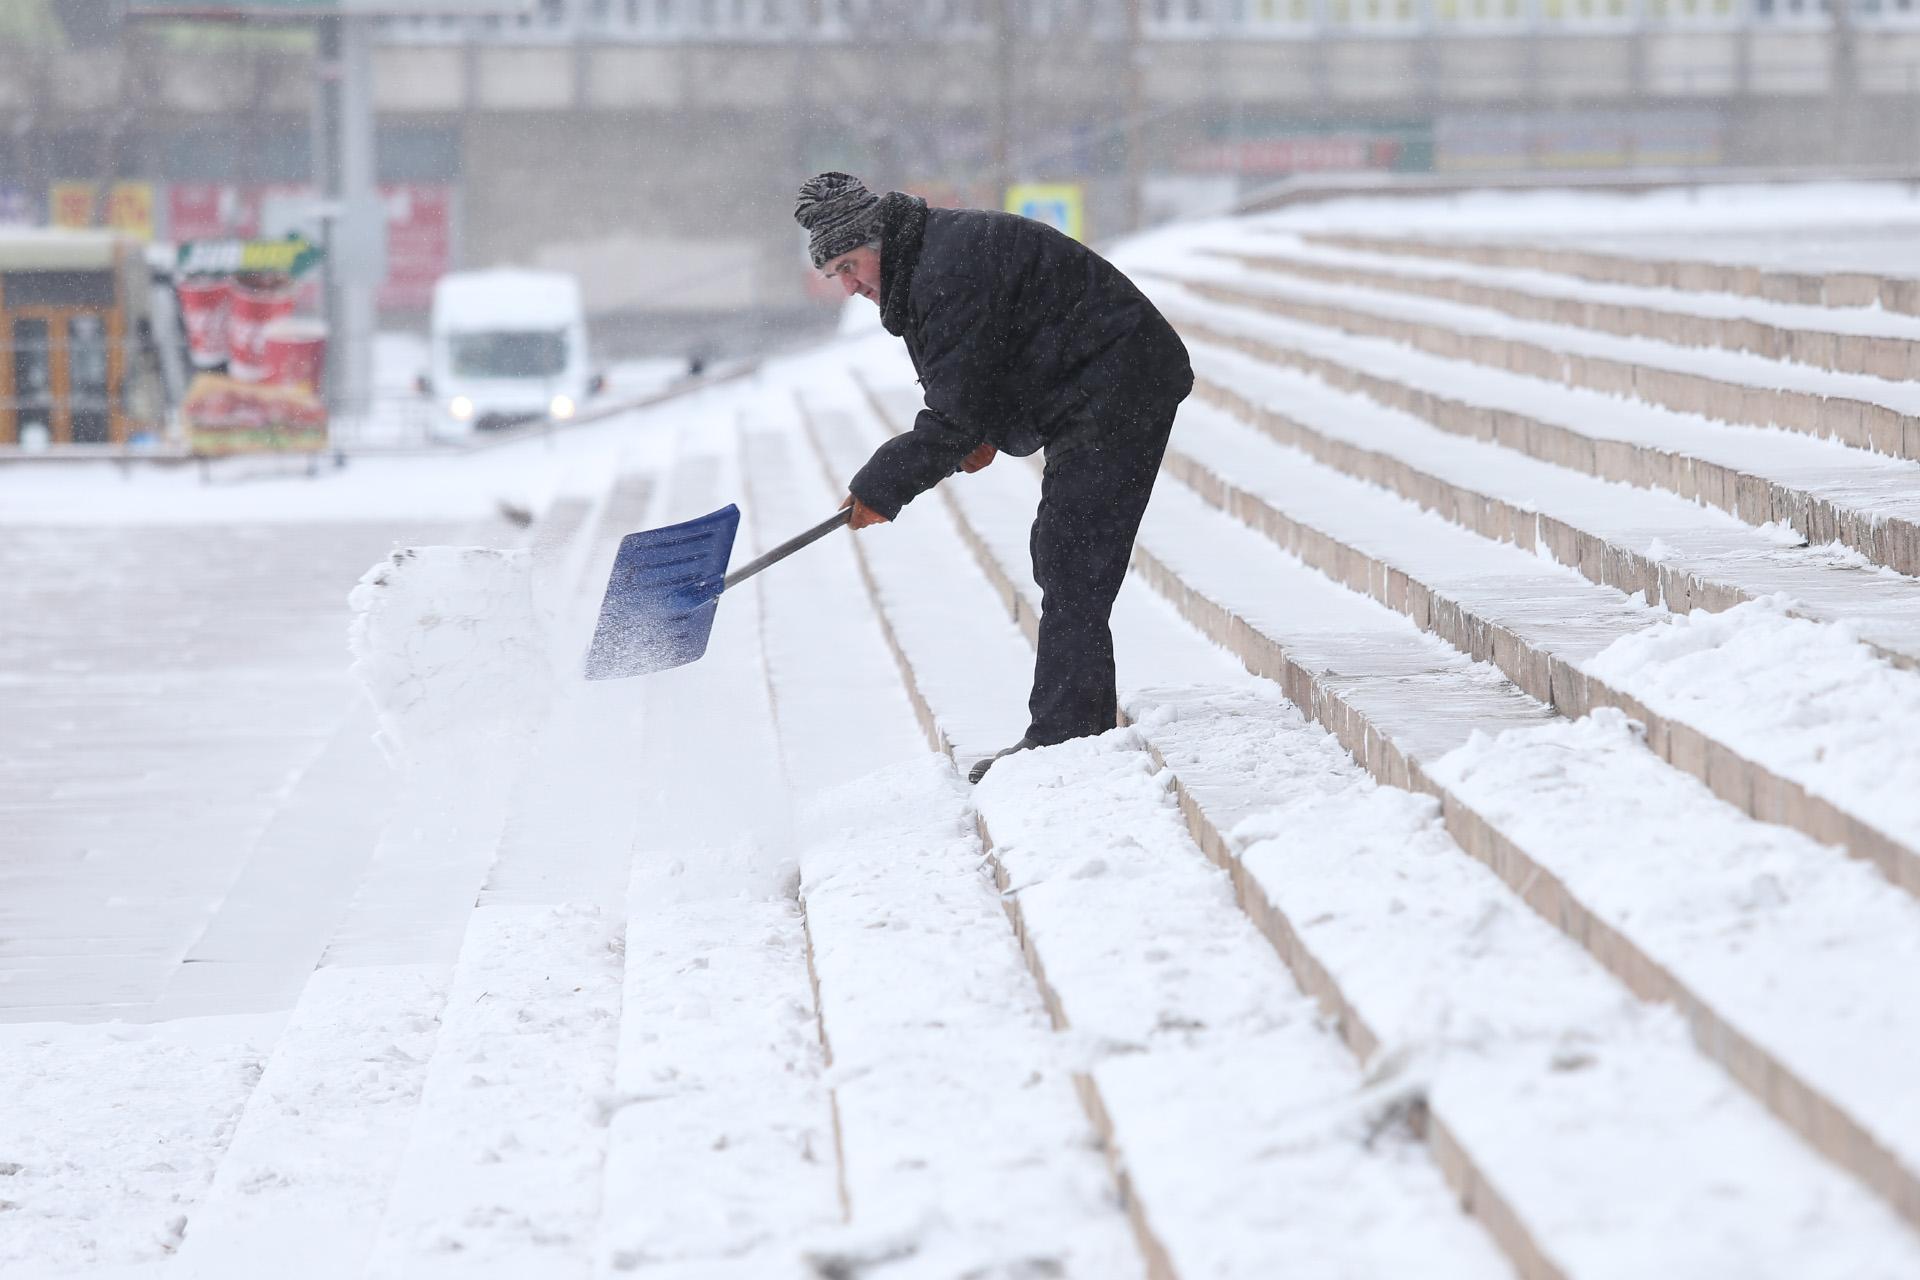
{"x": 294, "y": 256}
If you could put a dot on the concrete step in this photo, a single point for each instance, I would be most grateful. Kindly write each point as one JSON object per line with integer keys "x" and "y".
{"x": 325, "y": 1131}
{"x": 1676, "y": 1121}
{"x": 1754, "y": 1011}
{"x": 963, "y": 1139}
{"x": 1558, "y": 637}
{"x": 175, "y": 708}
{"x": 1670, "y": 551}
{"x": 505, "y": 1151}
{"x": 722, "y": 1146}
{"x": 331, "y": 1129}
{"x": 1228, "y": 1108}
{"x": 1797, "y": 288}
{"x": 1863, "y": 412}
{"x": 261, "y": 946}
{"x": 283, "y": 908}
{"x": 1396, "y": 704}
{"x": 112, "y": 1132}
{"x": 1838, "y": 339}
{"x": 316, "y": 1146}
{"x": 1406, "y": 980}
{"x": 1824, "y": 492}
{"x": 505, "y": 1156}
{"x": 569, "y": 839}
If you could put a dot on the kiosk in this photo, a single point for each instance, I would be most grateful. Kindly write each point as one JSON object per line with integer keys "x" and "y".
{"x": 76, "y": 358}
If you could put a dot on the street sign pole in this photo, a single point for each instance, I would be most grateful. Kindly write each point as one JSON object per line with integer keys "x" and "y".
{"x": 360, "y": 236}
{"x": 355, "y": 234}
{"x": 326, "y": 180}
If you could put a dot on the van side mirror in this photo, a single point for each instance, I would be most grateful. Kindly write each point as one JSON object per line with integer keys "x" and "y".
{"x": 596, "y": 384}
{"x": 423, "y": 384}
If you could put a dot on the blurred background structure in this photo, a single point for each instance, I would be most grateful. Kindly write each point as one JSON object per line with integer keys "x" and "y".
{"x": 651, "y": 147}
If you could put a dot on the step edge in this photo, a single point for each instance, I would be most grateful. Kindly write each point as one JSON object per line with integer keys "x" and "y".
{"x": 1565, "y": 686}
{"x": 1890, "y": 541}
{"x": 1847, "y": 288}
{"x": 1832, "y": 350}
{"x": 1867, "y": 425}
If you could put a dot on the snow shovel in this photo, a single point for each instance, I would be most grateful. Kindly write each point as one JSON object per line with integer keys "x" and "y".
{"x": 665, "y": 589}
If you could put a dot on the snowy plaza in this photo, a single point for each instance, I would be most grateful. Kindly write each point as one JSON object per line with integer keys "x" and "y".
{"x": 1506, "y": 865}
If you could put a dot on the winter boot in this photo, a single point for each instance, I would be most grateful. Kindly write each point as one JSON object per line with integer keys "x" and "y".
{"x": 980, "y": 768}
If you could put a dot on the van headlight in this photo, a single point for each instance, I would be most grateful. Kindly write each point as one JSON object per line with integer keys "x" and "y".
{"x": 562, "y": 407}
{"x": 461, "y": 408}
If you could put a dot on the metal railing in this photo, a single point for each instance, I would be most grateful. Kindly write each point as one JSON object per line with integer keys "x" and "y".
{"x": 888, "y": 21}
{"x": 393, "y": 417}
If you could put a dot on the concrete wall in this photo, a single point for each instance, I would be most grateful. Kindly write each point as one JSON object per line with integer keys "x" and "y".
{"x": 663, "y": 173}
{"x": 654, "y": 210}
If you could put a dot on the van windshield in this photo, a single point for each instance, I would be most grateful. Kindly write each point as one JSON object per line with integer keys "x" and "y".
{"x": 508, "y": 355}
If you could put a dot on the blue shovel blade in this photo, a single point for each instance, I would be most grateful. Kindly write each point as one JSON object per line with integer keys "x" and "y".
{"x": 661, "y": 597}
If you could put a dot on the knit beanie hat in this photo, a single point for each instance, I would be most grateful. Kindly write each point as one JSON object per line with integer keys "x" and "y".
{"x": 838, "y": 213}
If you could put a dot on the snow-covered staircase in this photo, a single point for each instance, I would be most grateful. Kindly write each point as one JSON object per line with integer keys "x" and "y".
{"x": 1872, "y": 410}
{"x": 359, "y": 1110}
{"x": 1453, "y": 901}
{"x": 1863, "y": 500}
{"x": 1316, "y": 450}
{"x": 1399, "y": 703}
{"x": 1857, "y": 293}
{"x": 1776, "y": 769}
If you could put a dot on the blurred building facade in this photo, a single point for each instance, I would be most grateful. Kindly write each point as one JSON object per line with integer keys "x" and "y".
{"x": 652, "y": 146}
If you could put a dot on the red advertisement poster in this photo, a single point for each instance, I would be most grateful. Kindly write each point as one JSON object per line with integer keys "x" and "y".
{"x": 216, "y": 210}
{"x": 193, "y": 211}
{"x": 419, "y": 228}
{"x": 70, "y": 204}
{"x": 419, "y": 243}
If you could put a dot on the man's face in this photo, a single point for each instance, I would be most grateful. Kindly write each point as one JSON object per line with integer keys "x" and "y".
{"x": 857, "y": 271}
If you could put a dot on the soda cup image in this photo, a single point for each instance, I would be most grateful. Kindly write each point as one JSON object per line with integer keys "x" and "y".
{"x": 204, "y": 303}
{"x": 296, "y": 353}
{"x": 254, "y": 307}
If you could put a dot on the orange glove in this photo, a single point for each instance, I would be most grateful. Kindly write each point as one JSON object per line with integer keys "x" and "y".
{"x": 863, "y": 515}
{"x": 978, "y": 458}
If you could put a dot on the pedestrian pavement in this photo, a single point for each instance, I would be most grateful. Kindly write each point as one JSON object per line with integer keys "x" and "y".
{"x": 165, "y": 691}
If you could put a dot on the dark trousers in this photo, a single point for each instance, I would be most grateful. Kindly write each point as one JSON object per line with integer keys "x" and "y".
{"x": 1091, "y": 501}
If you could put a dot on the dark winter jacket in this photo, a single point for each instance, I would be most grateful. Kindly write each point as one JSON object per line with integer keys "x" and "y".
{"x": 1013, "y": 329}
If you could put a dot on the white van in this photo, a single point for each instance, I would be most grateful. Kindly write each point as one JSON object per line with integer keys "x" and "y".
{"x": 507, "y": 346}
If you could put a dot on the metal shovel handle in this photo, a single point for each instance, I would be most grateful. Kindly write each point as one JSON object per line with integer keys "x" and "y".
{"x": 787, "y": 548}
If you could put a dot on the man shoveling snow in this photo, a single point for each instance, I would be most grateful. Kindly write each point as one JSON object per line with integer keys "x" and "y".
{"x": 1023, "y": 339}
